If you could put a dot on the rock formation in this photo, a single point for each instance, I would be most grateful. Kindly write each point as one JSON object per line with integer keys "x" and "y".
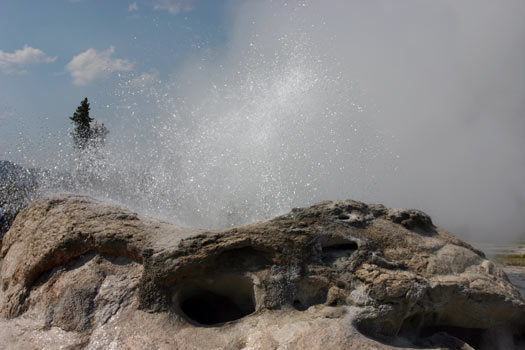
{"x": 78, "y": 273}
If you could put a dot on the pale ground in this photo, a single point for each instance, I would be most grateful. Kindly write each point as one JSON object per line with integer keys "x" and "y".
{"x": 516, "y": 274}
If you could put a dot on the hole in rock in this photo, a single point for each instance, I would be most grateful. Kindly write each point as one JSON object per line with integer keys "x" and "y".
{"x": 310, "y": 292}
{"x": 420, "y": 326}
{"x": 298, "y": 305}
{"x": 471, "y": 336}
{"x": 214, "y": 302}
{"x": 430, "y": 330}
{"x": 337, "y": 250}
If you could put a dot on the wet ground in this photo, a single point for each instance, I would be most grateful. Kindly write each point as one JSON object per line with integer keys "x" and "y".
{"x": 516, "y": 274}
{"x": 517, "y": 277}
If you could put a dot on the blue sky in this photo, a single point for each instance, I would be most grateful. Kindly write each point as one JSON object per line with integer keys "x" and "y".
{"x": 53, "y": 53}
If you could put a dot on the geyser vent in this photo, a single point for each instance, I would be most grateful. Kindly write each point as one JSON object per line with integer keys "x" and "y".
{"x": 217, "y": 301}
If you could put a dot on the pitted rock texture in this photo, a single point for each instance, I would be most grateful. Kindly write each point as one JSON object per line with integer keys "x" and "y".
{"x": 79, "y": 273}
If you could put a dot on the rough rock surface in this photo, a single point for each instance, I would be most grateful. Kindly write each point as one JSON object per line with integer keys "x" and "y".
{"x": 78, "y": 273}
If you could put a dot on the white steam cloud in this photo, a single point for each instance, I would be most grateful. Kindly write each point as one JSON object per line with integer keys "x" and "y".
{"x": 447, "y": 80}
{"x": 409, "y": 103}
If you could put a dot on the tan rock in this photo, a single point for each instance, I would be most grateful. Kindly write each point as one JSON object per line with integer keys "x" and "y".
{"x": 80, "y": 273}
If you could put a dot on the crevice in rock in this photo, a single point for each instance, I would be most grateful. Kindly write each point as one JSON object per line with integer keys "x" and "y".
{"x": 212, "y": 302}
{"x": 337, "y": 248}
{"x": 425, "y": 325}
{"x": 472, "y": 336}
{"x": 309, "y": 292}
{"x": 73, "y": 264}
{"x": 430, "y": 330}
{"x": 424, "y": 330}
{"x": 78, "y": 262}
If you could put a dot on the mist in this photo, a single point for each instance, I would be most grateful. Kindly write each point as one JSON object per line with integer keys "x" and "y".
{"x": 410, "y": 103}
{"x": 442, "y": 87}
{"x": 448, "y": 81}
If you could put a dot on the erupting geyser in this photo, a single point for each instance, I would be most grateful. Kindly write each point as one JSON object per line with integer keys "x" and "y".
{"x": 280, "y": 130}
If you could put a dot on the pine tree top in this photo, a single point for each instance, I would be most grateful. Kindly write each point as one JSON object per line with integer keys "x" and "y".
{"x": 87, "y": 132}
{"x": 81, "y": 116}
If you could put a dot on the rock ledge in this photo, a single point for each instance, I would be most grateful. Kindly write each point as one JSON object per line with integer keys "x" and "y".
{"x": 340, "y": 274}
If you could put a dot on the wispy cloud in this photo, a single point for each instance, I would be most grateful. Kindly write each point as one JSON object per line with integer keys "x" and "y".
{"x": 17, "y": 61}
{"x": 174, "y": 6}
{"x": 91, "y": 65}
{"x": 133, "y": 6}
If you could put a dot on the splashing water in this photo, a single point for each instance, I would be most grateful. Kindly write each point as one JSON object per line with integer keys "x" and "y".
{"x": 277, "y": 131}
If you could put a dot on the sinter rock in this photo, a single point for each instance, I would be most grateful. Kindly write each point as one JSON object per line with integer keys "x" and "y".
{"x": 78, "y": 273}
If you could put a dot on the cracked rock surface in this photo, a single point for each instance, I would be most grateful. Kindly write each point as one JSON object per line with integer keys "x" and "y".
{"x": 80, "y": 273}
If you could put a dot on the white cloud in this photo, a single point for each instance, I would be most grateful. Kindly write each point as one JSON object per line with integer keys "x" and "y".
{"x": 92, "y": 65}
{"x": 16, "y": 62}
{"x": 174, "y": 6}
{"x": 133, "y": 6}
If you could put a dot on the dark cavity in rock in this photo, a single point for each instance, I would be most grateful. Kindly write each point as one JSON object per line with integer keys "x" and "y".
{"x": 222, "y": 300}
{"x": 337, "y": 248}
{"x": 422, "y": 330}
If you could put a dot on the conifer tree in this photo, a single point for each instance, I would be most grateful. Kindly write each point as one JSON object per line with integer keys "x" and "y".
{"x": 82, "y": 132}
{"x": 87, "y": 132}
